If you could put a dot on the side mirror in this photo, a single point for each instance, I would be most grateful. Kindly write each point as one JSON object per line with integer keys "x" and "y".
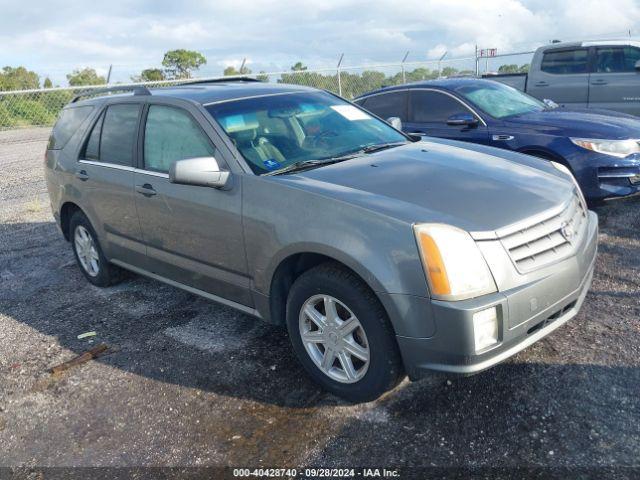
{"x": 462, "y": 120}
{"x": 395, "y": 122}
{"x": 201, "y": 171}
{"x": 637, "y": 65}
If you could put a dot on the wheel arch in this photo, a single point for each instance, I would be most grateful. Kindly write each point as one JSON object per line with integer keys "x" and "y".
{"x": 294, "y": 264}
{"x": 546, "y": 154}
{"x": 66, "y": 212}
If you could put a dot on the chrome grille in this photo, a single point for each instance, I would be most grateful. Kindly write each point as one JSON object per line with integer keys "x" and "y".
{"x": 548, "y": 240}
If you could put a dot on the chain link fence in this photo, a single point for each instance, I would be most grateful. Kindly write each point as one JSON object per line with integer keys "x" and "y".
{"x": 30, "y": 108}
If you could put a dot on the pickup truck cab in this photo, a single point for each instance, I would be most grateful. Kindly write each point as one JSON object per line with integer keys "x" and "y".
{"x": 603, "y": 74}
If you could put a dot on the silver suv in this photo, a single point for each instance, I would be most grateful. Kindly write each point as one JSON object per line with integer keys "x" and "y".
{"x": 380, "y": 253}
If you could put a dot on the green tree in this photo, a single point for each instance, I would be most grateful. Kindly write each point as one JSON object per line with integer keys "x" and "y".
{"x": 181, "y": 63}
{"x": 150, "y": 75}
{"x": 231, "y": 71}
{"x": 86, "y": 76}
{"x": 511, "y": 68}
{"x": 262, "y": 76}
{"x": 47, "y": 83}
{"x": 298, "y": 67}
{"x": 524, "y": 68}
{"x": 18, "y": 78}
{"x": 372, "y": 80}
{"x": 449, "y": 71}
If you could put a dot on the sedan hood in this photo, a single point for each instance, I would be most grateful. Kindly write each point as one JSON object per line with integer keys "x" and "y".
{"x": 582, "y": 123}
{"x": 476, "y": 188}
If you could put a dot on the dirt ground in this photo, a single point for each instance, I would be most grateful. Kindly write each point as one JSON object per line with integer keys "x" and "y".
{"x": 188, "y": 382}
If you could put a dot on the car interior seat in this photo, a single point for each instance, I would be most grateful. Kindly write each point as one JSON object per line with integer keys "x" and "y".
{"x": 257, "y": 150}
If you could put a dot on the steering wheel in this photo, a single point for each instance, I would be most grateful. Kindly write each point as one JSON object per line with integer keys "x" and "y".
{"x": 322, "y": 139}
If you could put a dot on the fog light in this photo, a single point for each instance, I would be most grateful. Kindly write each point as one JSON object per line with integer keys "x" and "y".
{"x": 485, "y": 328}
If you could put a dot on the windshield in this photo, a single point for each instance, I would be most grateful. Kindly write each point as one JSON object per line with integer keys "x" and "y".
{"x": 273, "y": 132}
{"x": 499, "y": 100}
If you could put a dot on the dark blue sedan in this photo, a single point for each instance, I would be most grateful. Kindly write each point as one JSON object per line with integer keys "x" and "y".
{"x": 600, "y": 147}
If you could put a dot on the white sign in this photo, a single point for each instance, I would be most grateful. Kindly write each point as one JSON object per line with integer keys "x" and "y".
{"x": 350, "y": 112}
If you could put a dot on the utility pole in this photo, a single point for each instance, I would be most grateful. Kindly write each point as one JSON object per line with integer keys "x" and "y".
{"x": 244, "y": 60}
{"x": 338, "y": 71}
{"x": 477, "y": 63}
{"x": 109, "y": 74}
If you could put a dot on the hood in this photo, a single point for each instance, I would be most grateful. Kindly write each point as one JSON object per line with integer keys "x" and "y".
{"x": 582, "y": 123}
{"x": 436, "y": 182}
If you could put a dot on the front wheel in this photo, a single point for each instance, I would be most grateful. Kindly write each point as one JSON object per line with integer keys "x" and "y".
{"x": 341, "y": 334}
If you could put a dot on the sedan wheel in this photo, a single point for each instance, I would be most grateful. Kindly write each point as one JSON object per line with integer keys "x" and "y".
{"x": 334, "y": 338}
{"x": 86, "y": 251}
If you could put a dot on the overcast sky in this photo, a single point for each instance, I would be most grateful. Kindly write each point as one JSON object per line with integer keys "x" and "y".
{"x": 53, "y": 37}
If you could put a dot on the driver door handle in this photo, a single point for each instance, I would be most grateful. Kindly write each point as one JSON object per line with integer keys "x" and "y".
{"x": 82, "y": 175}
{"x": 541, "y": 84}
{"x": 146, "y": 190}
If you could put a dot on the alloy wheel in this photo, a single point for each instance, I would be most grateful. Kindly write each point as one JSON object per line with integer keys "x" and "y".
{"x": 334, "y": 338}
{"x": 86, "y": 251}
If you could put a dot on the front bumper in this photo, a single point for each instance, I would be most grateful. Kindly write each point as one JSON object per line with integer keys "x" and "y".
{"x": 605, "y": 176}
{"x": 526, "y": 314}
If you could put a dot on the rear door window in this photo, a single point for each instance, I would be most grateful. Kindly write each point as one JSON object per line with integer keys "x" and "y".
{"x": 616, "y": 59}
{"x": 563, "y": 62}
{"x": 68, "y": 123}
{"x": 113, "y": 137}
{"x": 119, "y": 134}
{"x": 434, "y": 107}
{"x": 385, "y": 105}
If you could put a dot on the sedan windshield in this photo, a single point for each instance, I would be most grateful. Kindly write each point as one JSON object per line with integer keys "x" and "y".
{"x": 276, "y": 131}
{"x": 499, "y": 100}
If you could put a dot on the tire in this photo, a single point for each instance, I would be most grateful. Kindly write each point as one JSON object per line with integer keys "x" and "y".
{"x": 342, "y": 346}
{"x": 92, "y": 262}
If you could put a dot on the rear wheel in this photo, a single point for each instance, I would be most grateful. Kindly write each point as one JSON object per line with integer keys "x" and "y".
{"x": 341, "y": 334}
{"x": 88, "y": 253}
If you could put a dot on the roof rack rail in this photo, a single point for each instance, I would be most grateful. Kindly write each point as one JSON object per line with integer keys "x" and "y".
{"x": 220, "y": 80}
{"x": 136, "y": 89}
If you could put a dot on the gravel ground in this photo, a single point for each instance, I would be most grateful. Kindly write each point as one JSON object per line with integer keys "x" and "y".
{"x": 191, "y": 383}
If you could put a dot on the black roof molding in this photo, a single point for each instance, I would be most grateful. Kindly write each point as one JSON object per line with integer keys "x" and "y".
{"x": 219, "y": 80}
{"x": 136, "y": 89}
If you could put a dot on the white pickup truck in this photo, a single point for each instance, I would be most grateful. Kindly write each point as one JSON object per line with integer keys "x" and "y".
{"x": 602, "y": 74}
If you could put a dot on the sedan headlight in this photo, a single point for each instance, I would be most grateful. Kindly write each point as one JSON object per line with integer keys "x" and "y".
{"x": 617, "y": 148}
{"x": 453, "y": 264}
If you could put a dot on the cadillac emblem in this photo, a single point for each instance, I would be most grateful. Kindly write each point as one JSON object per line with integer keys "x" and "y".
{"x": 567, "y": 231}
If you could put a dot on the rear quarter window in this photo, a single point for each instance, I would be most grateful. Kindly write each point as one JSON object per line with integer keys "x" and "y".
{"x": 68, "y": 123}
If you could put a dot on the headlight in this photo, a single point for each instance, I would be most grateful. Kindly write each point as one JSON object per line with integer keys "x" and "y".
{"x": 566, "y": 171}
{"x": 454, "y": 267}
{"x": 617, "y": 148}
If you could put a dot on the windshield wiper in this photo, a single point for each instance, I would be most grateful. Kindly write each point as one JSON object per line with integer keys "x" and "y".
{"x": 307, "y": 164}
{"x": 382, "y": 146}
